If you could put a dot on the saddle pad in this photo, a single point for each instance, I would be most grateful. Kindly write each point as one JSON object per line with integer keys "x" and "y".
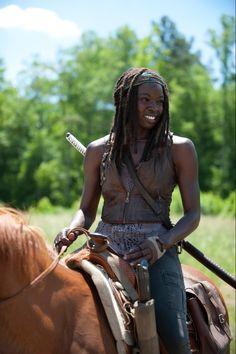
{"x": 114, "y": 315}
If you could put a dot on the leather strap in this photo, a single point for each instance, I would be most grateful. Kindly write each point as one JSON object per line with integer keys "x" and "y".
{"x": 38, "y": 279}
{"x": 146, "y": 196}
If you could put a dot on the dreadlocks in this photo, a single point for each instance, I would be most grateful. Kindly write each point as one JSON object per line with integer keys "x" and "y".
{"x": 124, "y": 128}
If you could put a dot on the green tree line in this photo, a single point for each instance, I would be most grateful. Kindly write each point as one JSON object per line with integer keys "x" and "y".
{"x": 75, "y": 94}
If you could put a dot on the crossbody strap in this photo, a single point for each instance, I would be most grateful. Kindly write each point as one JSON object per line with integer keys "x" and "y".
{"x": 186, "y": 245}
{"x": 146, "y": 196}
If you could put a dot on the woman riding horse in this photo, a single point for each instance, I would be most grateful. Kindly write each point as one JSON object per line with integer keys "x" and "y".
{"x": 46, "y": 307}
{"x": 161, "y": 160}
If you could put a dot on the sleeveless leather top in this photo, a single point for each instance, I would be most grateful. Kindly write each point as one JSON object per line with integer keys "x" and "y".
{"x": 123, "y": 203}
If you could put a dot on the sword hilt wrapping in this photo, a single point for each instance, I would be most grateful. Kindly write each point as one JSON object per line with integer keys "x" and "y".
{"x": 76, "y": 143}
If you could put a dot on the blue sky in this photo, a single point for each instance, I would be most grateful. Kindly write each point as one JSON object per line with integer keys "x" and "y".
{"x": 43, "y": 26}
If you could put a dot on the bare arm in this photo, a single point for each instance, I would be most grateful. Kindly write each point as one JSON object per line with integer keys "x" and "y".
{"x": 86, "y": 214}
{"x": 91, "y": 191}
{"x": 185, "y": 159}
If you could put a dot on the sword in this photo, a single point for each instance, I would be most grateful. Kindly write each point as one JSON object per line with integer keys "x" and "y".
{"x": 76, "y": 143}
{"x": 187, "y": 246}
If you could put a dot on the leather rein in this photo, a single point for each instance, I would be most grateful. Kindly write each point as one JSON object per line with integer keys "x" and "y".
{"x": 99, "y": 246}
{"x": 38, "y": 279}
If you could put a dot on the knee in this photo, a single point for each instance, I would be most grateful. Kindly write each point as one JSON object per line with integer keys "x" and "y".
{"x": 178, "y": 345}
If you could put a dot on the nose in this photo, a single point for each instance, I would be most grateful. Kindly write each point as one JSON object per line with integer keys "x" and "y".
{"x": 153, "y": 106}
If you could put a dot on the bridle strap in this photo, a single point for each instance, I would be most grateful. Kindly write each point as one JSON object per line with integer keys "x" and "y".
{"x": 39, "y": 278}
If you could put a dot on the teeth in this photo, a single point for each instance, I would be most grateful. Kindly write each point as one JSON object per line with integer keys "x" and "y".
{"x": 150, "y": 117}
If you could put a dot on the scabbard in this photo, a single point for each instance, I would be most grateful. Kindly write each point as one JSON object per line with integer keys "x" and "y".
{"x": 145, "y": 324}
{"x": 208, "y": 263}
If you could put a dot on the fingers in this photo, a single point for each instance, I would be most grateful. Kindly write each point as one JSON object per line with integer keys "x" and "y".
{"x": 137, "y": 254}
{"x": 72, "y": 236}
{"x": 151, "y": 249}
{"x": 63, "y": 240}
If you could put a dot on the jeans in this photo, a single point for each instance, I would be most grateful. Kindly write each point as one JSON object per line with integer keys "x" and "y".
{"x": 167, "y": 289}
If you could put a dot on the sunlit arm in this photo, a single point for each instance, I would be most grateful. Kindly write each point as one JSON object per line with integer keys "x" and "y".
{"x": 185, "y": 159}
{"x": 86, "y": 215}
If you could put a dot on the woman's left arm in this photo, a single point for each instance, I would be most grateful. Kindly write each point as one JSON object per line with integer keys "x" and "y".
{"x": 186, "y": 164}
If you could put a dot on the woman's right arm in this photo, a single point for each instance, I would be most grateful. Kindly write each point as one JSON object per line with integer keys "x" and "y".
{"x": 86, "y": 214}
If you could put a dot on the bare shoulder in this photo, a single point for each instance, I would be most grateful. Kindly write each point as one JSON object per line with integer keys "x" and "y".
{"x": 181, "y": 141}
{"x": 182, "y": 148}
{"x": 96, "y": 148}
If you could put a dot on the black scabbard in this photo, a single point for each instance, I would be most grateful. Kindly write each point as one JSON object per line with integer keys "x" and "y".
{"x": 199, "y": 256}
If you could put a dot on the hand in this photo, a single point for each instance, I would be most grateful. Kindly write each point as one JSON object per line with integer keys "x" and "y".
{"x": 64, "y": 238}
{"x": 151, "y": 249}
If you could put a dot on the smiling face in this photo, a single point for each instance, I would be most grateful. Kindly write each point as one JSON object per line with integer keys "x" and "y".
{"x": 150, "y": 107}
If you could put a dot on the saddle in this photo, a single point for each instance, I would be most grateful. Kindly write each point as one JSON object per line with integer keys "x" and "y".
{"x": 120, "y": 291}
{"x": 116, "y": 285}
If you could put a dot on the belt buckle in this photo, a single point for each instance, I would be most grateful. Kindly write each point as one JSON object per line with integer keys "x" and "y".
{"x": 179, "y": 247}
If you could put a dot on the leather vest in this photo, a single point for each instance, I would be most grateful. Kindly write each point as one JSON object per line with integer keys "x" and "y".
{"x": 159, "y": 178}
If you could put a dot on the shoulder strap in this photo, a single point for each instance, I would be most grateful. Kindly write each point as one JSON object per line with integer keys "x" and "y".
{"x": 146, "y": 196}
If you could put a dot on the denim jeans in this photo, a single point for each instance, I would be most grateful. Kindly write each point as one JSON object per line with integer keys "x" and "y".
{"x": 167, "y": 289}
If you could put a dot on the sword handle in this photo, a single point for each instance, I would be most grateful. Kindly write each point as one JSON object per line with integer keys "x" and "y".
{"x": 76, "y": 143}
{"x": 142, "y": 275}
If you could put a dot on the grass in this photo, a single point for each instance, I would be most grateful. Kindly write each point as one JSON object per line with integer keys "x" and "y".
{"x": 215, "y": 237}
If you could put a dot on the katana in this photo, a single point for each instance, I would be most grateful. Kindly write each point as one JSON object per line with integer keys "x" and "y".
{"x": 186, "y": 245}
{"x": 76, "y": 143}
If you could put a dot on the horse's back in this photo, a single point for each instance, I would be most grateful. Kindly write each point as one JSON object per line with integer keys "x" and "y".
{"x": 193, "y": 276}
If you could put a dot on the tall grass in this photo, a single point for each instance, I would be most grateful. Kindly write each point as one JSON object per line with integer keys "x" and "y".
{"x": 215, "y": 237}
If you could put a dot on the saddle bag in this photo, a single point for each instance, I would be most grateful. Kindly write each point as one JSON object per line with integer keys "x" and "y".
{"x": 207, "y": 320}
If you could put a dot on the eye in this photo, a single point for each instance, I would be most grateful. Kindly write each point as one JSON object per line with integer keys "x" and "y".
{"x": 144, "y": 99}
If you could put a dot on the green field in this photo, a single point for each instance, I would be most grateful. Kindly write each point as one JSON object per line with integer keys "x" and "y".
{"x": 215, "y": 237}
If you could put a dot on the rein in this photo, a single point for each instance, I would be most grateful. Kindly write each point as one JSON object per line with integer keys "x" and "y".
{"x": 38, "y": 279}
{"x": 49, "y": 269}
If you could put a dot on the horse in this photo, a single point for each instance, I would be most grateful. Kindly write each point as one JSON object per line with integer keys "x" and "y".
{"x": 60, "y": 313}
{"x": 46, "y": 307}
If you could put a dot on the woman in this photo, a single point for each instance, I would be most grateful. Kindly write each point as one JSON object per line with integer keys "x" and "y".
{"x": 162, "y": 161}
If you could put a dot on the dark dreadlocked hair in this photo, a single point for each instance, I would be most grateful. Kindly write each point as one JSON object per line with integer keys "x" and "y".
{"x": 124, "y": 128}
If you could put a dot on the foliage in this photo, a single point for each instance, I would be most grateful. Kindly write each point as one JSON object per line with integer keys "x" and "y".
{"x": 44, "y": 206}
{"x": 211, "y": 204}
{"x": 75, "y": 95}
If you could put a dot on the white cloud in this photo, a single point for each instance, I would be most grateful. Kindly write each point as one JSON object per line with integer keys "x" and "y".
{"x": 38, "y": 20}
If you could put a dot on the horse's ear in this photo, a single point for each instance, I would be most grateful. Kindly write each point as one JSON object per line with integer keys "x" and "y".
{"x": 73, "y": 260}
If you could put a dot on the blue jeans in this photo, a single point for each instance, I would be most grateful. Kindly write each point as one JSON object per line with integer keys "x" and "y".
{"x": 167, "y": 289}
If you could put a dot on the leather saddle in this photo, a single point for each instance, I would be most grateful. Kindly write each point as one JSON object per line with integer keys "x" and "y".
{"x": 206, "y": 316}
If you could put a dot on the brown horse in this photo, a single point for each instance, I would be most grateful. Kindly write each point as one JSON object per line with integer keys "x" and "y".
{"x": 61, "y": 314}
{"x": 46, "y": 307}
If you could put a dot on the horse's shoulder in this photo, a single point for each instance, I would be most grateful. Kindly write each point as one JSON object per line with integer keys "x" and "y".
{"x": 193, "y": 275}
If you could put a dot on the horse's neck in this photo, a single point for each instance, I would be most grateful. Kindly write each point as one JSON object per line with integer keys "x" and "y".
{"x": 33, "y": 314}
{"x": 63, "y": 297}
{"x": 19, "y": 273}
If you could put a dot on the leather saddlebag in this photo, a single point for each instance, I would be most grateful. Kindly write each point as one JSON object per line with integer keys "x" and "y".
{"x": 207, "y": 320}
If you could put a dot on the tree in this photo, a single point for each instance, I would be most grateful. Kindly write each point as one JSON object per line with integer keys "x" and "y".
{"x": 75, "y": 95}
{"x": 223, "y": 44}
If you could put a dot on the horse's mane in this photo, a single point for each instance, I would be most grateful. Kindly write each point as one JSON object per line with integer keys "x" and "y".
{"x": 20, "y": 242}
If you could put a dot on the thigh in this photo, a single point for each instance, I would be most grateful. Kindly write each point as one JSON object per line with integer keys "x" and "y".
{"x": 167, "y": 289}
